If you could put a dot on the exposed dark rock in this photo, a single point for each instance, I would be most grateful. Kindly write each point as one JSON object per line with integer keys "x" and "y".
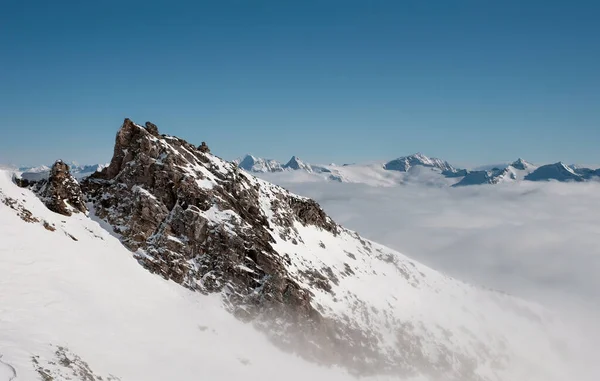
{"x": 61, "y": 193}
{"x": 66, "y": 365}
{"x": 18, "y": 207}
{"x": 152, "y": 128}
{"x": 203, "y": 148}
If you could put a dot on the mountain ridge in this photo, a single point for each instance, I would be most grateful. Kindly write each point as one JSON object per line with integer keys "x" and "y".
{"x": 408, "y": 166}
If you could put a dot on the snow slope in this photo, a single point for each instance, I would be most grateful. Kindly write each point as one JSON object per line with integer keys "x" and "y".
{"x": 88, "y": 295}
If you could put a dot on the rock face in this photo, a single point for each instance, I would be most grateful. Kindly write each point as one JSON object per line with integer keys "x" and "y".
{"x": 60, "y": 191}
{"x": 203, "y": 148}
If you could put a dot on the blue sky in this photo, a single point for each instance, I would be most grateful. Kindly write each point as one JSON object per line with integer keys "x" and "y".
{"x": 472, "y": 82}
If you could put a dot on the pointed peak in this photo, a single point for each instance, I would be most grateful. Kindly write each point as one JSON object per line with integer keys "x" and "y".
{"x": 296, "y": 163}
{"x": 521, "y": 163}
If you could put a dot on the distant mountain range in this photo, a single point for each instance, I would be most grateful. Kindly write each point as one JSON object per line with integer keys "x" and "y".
{"x": 415, "y": 168}
{"x": 77, "y": 170}
{"x": 420, "y": 168}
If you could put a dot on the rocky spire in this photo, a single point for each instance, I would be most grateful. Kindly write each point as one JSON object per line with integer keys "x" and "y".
{"x": 61, "y": 193}
{"x": 203, "y": 148}
{"x": 152, "y": 128}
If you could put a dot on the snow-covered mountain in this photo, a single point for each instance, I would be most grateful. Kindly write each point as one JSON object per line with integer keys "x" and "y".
{"x": 418, "y": 168}
{"x": 405, "y": 163}
{"x": 516, "y": 171}
{"x": 557, "y": 171}
{"x": 298, "y": 165}
{"x": 76, "y": 304}
{"x": 258, "y": 165}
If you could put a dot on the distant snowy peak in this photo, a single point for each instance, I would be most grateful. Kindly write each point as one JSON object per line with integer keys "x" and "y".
{"x": 39, "y": 169}
{"x": 419, "y": 168}
{"x": 557, "y": 171}
{"x": 257, "y": 164}
{"x": 522, "y": 164}
{"x": 494, "y": 176}
{"x": 260, "y": 165}
{"x": 405, "y": 163}
{"x": 296, "y": 164}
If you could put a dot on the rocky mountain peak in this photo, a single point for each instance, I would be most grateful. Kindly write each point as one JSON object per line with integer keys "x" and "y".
{"x": 199, "y": 221}
{"x": 203, "y": 148}
{"x": 60, "y": 191}
{"x": 152, "y": 128}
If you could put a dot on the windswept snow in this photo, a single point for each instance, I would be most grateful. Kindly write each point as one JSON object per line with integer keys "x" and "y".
{"x": 90, "y": 296}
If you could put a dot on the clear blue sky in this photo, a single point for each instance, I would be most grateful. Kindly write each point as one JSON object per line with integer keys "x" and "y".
{"x": 330, "y": 81}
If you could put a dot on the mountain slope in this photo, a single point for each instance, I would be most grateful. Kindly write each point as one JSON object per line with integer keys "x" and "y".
{"x": 76, "y": 305}
{"x": 276, "y": 260}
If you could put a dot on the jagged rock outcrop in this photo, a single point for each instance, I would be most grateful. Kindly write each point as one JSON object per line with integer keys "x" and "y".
{"x": 203, "y": 148}
{"x": 60, "y": 192}
{"x": 201, "y": 222}
{"x": 152, "y": 128}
